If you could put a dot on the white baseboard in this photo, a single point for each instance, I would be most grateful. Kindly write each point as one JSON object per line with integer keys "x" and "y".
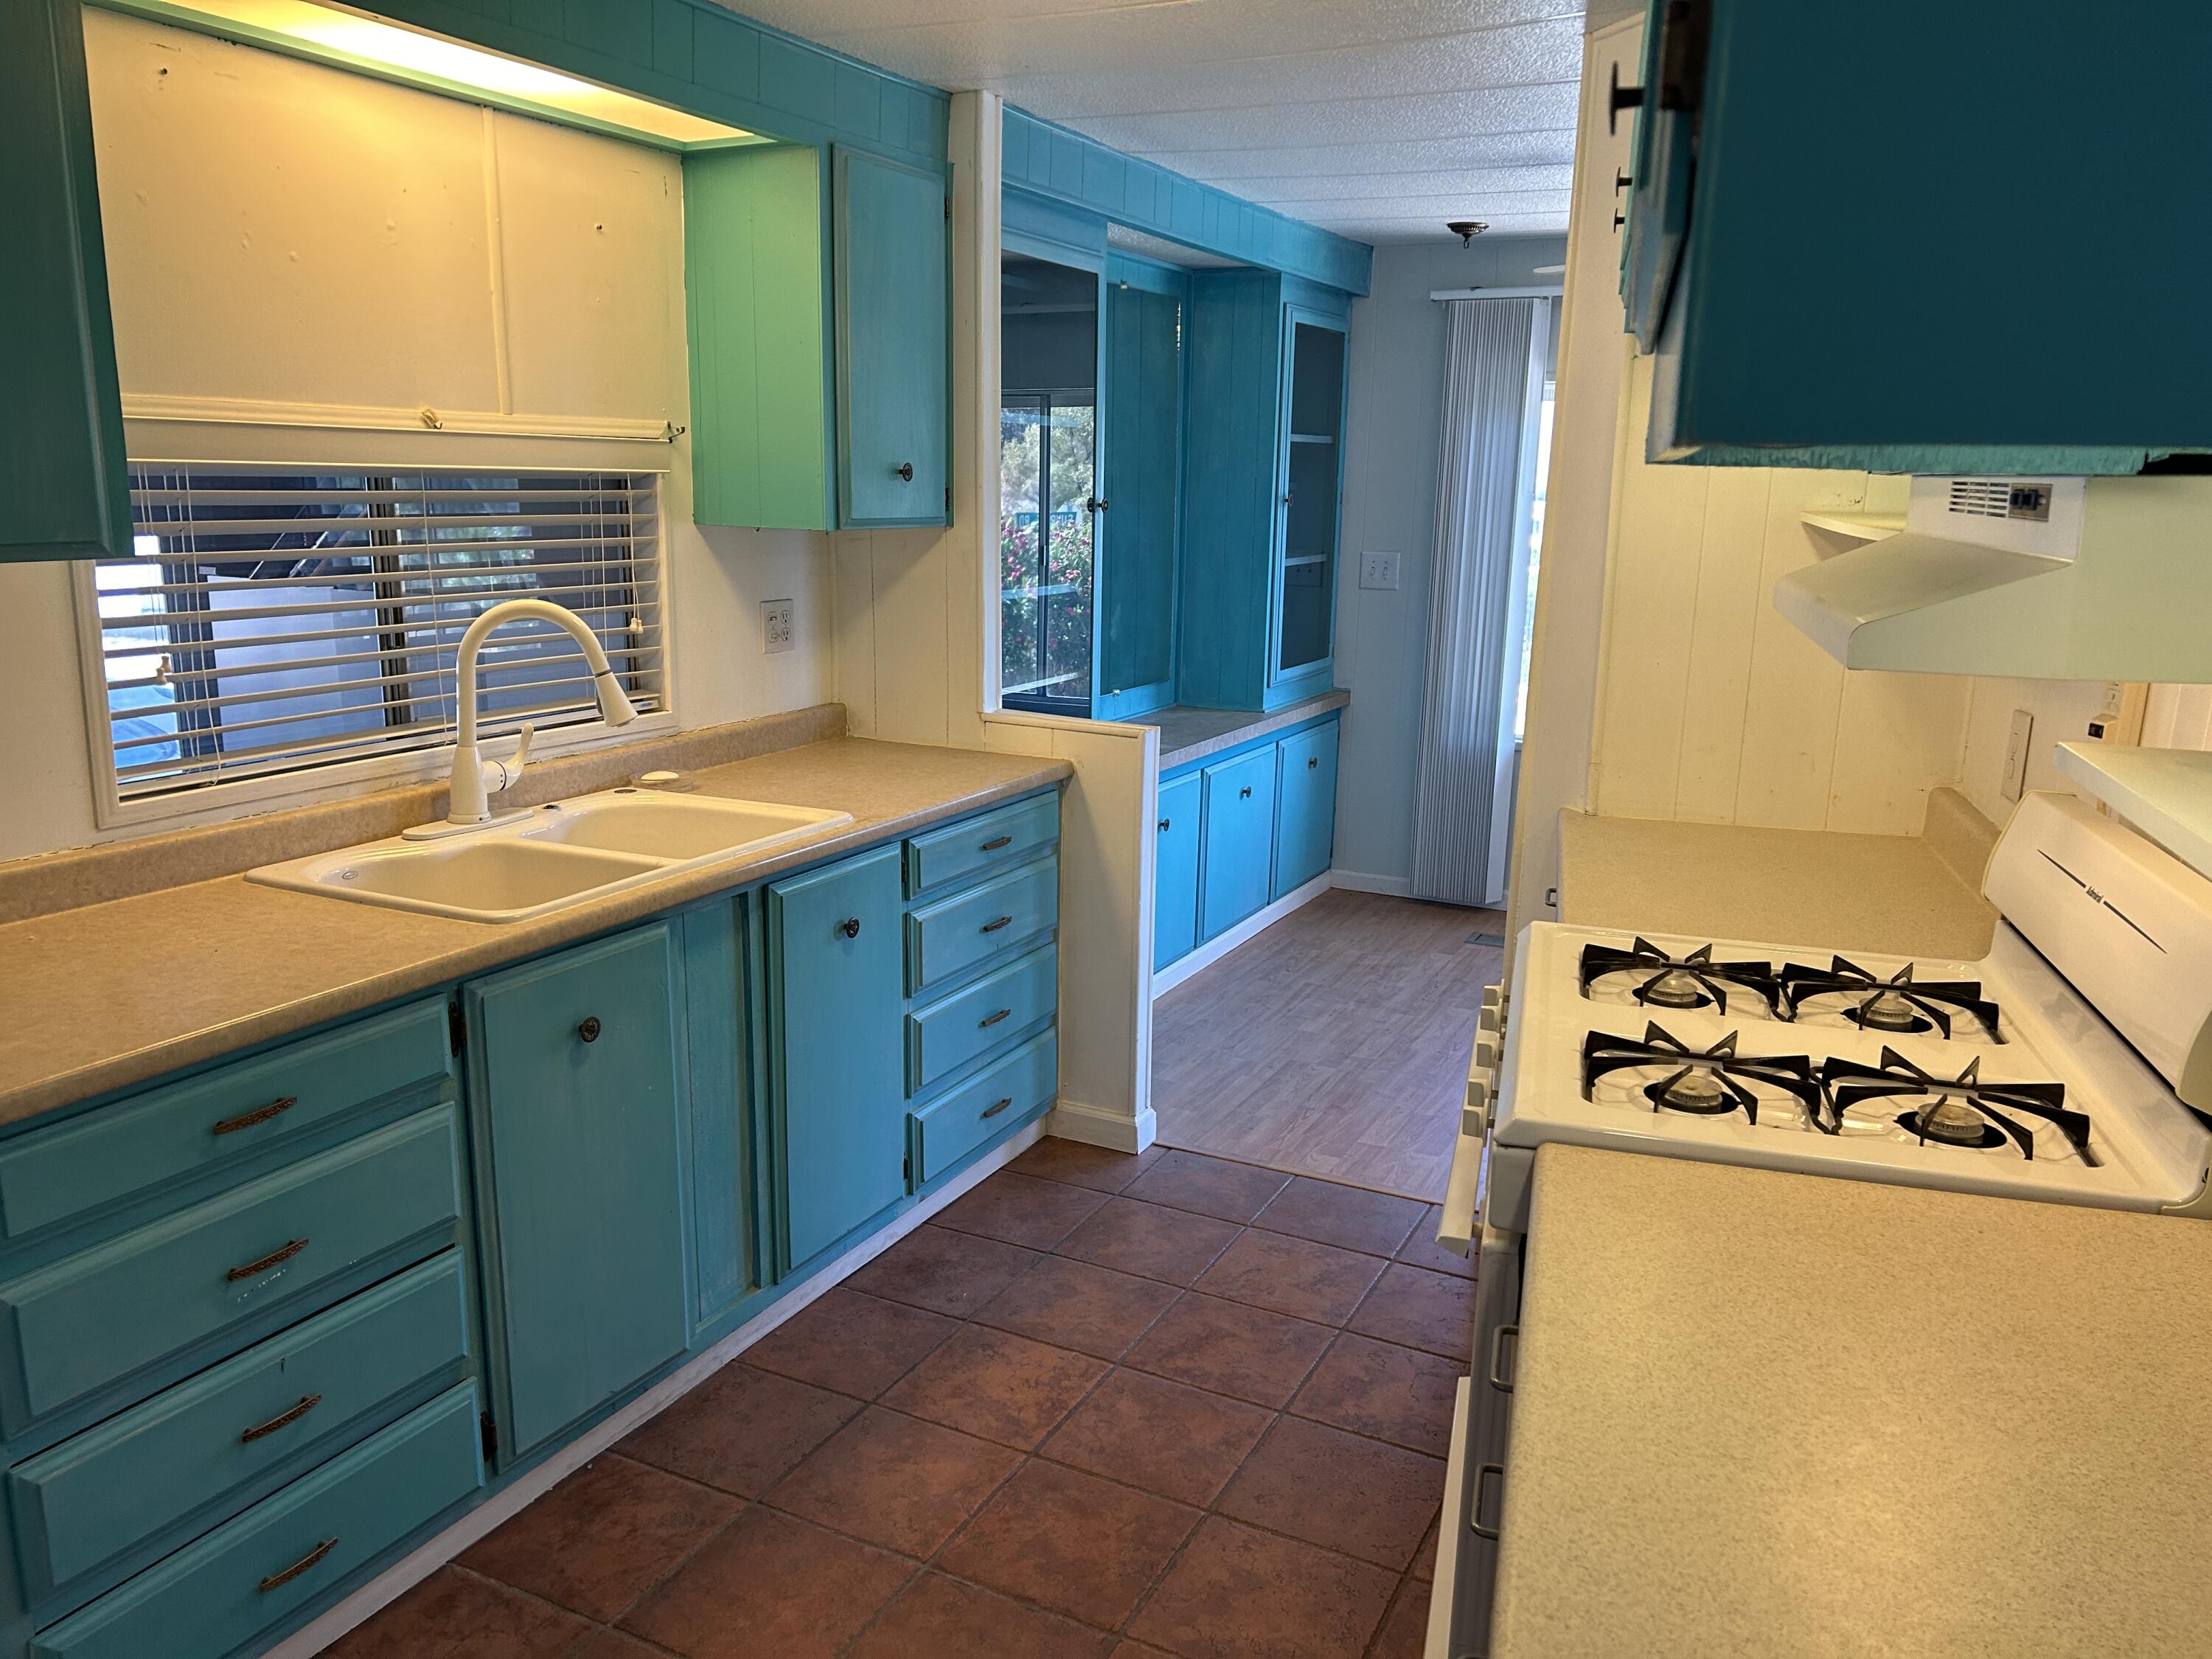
{"x": 1101, "y": 1125}
{"x": 1167, "y": 978}
{"x": 402, "y": 1575}
{"x": 1359, "y": 881}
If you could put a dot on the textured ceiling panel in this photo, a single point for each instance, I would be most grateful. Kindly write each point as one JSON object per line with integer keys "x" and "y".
{"x": 1377, "y": 118}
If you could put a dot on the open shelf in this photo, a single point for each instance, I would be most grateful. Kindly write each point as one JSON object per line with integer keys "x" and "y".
{"x": 2164, "y": 793}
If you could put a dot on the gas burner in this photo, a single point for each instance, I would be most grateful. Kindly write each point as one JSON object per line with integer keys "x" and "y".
{"x": 1695, "y": 981}
{"x": 1704, "y": 1082}
{"x": 1899, "y": 1004}
{"x": 1961, "y": 1111}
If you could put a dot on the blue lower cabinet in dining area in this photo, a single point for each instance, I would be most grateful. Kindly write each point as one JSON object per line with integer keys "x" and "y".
{"x": 1176, "y": 863}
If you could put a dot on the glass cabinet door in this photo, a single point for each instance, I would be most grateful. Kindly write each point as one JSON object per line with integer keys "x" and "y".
{"x": 1306, "y": 602}
{"x": 1048, "y": 484}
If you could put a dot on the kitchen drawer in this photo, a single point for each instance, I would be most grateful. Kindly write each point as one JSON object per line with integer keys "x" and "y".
{"x": 184, "y": 1129}
{"x": 92, "y": 1497}
{"x": 979, "y": 846}
{"x": 993, "y": 1100}
{"x": 946, "y": 1035}
{"x": 210, "y": 1598}
{"x": 947, "y": 939}
{"x": 91, "y": 1319}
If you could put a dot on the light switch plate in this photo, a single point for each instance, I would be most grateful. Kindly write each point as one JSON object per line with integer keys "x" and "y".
{"x": 776, "y": 624}
{"x": 2016, "y": 748}
{"x": 1378, "y": 570}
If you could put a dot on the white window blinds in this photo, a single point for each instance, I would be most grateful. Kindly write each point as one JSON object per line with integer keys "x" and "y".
{"x": 279, "y": 619}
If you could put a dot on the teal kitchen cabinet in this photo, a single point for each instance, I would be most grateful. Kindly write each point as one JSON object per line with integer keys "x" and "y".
{"x": 1934, "y": 140}
{"x": 1140, "y": 531}
{"x": 1239, "y": 839}
{"x": 575, "y": 1067}
{"x": 836, "y": 1053}
{"x": 1263, "y": 470}
{"x": 1305, "y": 808}
{"x": 62, "y": 469}
{"x": 893, "y": 268}
{"x": 1175, "y": 870}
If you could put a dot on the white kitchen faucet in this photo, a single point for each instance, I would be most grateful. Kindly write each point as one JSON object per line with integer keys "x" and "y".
{"x": 469, "y": 805}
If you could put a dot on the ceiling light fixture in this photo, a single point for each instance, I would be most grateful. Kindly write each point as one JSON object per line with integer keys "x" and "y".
{"x": 1466, "y": 229}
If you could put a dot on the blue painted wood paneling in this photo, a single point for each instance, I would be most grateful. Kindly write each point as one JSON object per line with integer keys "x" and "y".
{"x": 893, "y": 270}
{"x": 1305, "y": 814}
{"x": 1059, "y": 226}
{"x": 1175, "y": 870}
{"x": 575, "y": 1069}
{"x": 1239, "y": 840}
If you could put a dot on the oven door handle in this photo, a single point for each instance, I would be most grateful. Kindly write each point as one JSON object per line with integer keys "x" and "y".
{"x": 1482, "y": 1473}
{"x": 1498, "y": 1338}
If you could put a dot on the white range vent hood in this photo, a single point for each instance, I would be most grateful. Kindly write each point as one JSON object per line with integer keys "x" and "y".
{"x": 2068, "y": 579}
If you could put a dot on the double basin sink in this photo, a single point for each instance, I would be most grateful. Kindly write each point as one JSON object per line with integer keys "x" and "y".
{"x": 563, "y": 853}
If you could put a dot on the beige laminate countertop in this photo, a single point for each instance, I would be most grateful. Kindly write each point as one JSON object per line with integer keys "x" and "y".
{"x": 1894, "y": 895}
{"x": 109, "y": 995}
{"x": 1758, "y": 1414}
{"x": 1189, "y": 734}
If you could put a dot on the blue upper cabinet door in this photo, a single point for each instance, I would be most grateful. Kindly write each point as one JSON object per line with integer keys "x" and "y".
{"x": 61, "y": 470}
{"x": 1141, "y": 530}
{"x": 1305, "y": 813}
{"x": 1312, "y": 459}
{"x": 893, "y": 319}
{"x": 574, "y": 1069}
{"x": 837, "y": 1062}
{"x": 1174, "y": 871}
{"x": 1239, "y": 840}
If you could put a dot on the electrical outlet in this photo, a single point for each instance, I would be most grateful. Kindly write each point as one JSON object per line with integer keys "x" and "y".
{"x": 1378, "y": 570}
{"x": 2015, "y": 772}
{"x": 776, "y": 624}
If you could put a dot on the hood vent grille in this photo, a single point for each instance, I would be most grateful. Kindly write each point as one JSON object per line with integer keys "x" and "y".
{"x": 1999, "y": 498}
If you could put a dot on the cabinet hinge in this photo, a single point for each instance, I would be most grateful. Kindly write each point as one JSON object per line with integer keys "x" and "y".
{"x": 948, "y": 500}
{"x": 906, "y": 1168}
{"x": 948, "y": 209}
{"x": 456, "y": 1024}
{"x": 489, "y": 1430}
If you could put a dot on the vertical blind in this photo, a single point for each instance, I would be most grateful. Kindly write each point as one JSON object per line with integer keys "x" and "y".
{"x": 280, "y": 619}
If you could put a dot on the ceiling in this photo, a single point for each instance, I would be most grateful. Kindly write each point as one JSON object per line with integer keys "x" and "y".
{"x": 1380, "y": 119}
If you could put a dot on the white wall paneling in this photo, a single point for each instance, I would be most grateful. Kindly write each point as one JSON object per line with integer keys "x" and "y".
{"x": 2179, "y": 717}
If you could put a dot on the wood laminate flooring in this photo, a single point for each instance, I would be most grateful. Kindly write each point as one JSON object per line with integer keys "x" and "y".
{"x": 1335, "y": 1044}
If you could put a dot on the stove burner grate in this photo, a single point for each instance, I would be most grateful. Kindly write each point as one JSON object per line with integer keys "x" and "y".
{"x": 1962, "y": 1111}
{"x": 1704, "y": 1082}
{"x": 1900, "y": 1003}
{"x": 1695, "y": 981}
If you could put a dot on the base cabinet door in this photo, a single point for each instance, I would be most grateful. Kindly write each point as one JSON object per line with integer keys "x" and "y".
{"x": 1175, "y": 887}
{"x": 1305, "y": 816}
{"x": 1239, "y": 840}
{"x": 576, "y": 1063}
{"x": 837, "y": 1063}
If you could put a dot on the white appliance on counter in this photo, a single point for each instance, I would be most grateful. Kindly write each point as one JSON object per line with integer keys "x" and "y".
{"x": 2062, "y": 1067}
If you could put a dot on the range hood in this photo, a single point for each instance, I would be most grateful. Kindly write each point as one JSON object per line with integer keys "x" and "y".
{"x": 2067, "y": 578}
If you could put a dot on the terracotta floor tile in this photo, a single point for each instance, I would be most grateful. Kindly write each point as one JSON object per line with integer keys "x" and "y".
{"x": 1342, "y": 1491}
{"x": 1396, "y": 1394}
{"x": 598, "y": 1540}
{"x": 1422, "y": 1250}
{"x": 741, "y": 1430}
{"x": 1099, "y": 1168}
{"x": 941, "y": 1617}
{"x": 1019, "y": 1209}
{"x": 1405, "y": 1632}
{"x": 1211, "y": 1186}
{"x": 1237, "y": 1593}
{"x": 769, "y": 1588}
{"x": 895, "y": 1481}
{"x": 1350, "y": 1217}
{"x": 1127, "y": 1649}
{"x": 1424, "y": 1559}
{"x": 1292, "y": 1276}
{"x": 946, "y": 1271}
{"x": 1420, "y": 1309}
{"x": 1002, "y": 1387}
{"x": 1233, "y": 1349}
{"x": 1073, "y": 1304}
{"x": 1164, "y": 1436}
{"x": 857, "y": 1345}
{"x": 613, "y": 1644}
{"x": 1150, "y": 1239}
{"x": 1070, "y": 1542}
{"x": 453, "y": 1614}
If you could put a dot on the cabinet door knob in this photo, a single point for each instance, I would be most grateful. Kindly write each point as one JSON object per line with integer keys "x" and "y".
{"x": 1164, "y": 825}
{"x": 906, "y": 471}
{"x": 1245, "y": 794}
{"x": 1313, "y": 762}
{"x": 850, "y": 927}
{"x": 589, "y": 1030}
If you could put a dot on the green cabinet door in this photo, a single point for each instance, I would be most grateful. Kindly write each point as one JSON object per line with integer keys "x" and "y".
{"x": 1305, "y": 809}
{"x": 1174, "y": 871}
{"x": 1239, "y": 840}
{"x": 60, "y": 417}
{"x": 727, "y": 1260}
{"x": 836, "y": 1053}
{"x": 576, "y": 1067}
{"x": 893, "y": 318}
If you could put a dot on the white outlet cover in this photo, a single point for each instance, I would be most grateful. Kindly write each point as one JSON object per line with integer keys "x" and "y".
{"x": 776, "y": 625}
{"x": 1378, "y": 570}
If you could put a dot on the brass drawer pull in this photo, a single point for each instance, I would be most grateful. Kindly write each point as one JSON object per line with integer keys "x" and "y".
{"x": 255, "y": 1269}
{"x": 276, "y": 1108}
{"x": 989, "y": 1020}
{"x": 994, "y": 845}
{"x": 277, "y": 1579}
{"x": 992, "y": 1111}
{"x": 283, "y": 1420}
{"x": 993, "y": 926}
